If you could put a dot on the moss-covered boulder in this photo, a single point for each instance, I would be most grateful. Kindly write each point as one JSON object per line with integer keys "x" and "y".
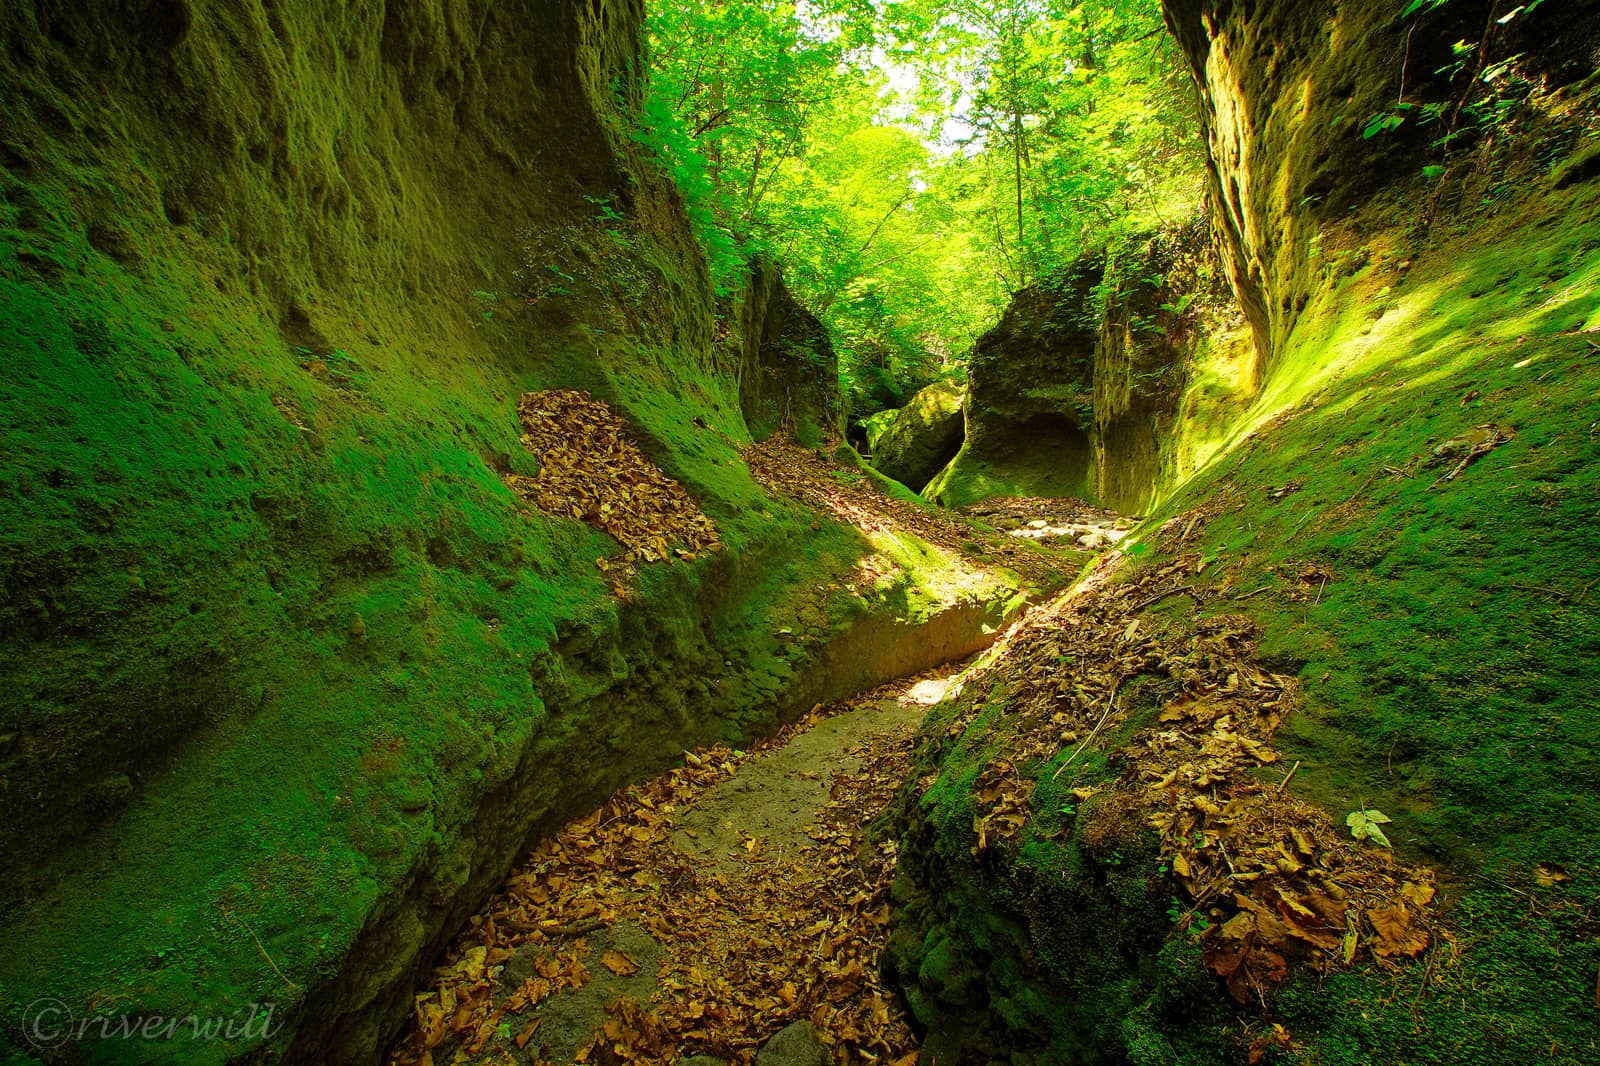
{"x": 923, "y": 437}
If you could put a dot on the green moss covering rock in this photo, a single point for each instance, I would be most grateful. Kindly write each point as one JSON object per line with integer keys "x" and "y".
{"x": 923, "y": 436}
{"x": 1113, "y": 382}
{"x": 1172, "y": 369}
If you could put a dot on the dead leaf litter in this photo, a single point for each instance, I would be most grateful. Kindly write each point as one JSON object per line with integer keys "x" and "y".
{"x": 1268, "y": 880}
{"x": 591, "y": 469}
{"x": 776, "y": 926}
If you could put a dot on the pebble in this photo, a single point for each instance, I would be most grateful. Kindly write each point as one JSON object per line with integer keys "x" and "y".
{"x": 796, "y": 1045}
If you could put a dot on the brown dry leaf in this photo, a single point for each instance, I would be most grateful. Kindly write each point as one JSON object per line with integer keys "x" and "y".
{"x": 1418, "y": 894}
{"x": 1548, "y": 875}
{"x": 619, "y": 964}
{"x": 1237, "y": 956}
{"x": 471, "y": 965}
{"x": 1397, "y": 933}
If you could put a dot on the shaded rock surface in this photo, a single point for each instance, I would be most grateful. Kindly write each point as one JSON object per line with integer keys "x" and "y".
{"x": 788, "y": 372}
{"x": 1030, "y": 401}
{"x": 1173, "y": 365}
{"x": 1110, "y": 382}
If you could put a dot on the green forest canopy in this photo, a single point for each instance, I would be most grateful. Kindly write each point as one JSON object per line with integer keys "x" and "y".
{"x": 913, "y": 162}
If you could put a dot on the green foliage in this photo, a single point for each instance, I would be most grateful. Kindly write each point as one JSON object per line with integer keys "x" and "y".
{"x": 1385, "y": 121}
{"x": 665, "y": 133}
{"x": 911, "y": 164}
{"x": 1364, "y": 826}
{"x": 1478, "y": 96}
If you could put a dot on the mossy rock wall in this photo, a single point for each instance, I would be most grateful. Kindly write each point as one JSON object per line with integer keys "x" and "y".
{"x": 788, "y": 372}
{"x": 1286, "y": 92}
{"x": 290, "y": 675}
{"x": 1039, "y": 950}
{"x": 923, "y": 437}
{"x": 1166, "y": 375}
{"x": 1109, "y": 383}
{"x": 1445, "y": 655}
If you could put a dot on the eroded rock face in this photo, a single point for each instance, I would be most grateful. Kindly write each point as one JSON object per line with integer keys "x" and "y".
{"x": 1084, "y": 388}
{"x": 1285, "y": 89}
{"x": 1029, "y": 405}
{"x": 788, "y": 372}
{"x": 1168, "y": 320}
{"x": 925, "y": 435}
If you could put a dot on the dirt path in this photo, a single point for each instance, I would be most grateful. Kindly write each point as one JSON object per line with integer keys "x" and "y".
{"x": 699, "y": 914}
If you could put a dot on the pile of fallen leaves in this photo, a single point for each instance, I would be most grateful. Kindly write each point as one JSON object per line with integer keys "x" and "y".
{"x": 590, "y": 469}
{"x": 745, "y": 953}
{"x": 1271, "y": 880}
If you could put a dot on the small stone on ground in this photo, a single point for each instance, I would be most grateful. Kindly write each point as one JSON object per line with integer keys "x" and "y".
{"x": 794, "y": 1045}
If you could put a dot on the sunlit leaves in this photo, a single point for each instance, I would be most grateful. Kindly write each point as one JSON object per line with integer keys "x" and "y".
{"x": 1364, "y": 826}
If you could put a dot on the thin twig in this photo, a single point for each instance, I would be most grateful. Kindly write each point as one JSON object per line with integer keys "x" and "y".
{"x": 1540, "y": 588}
{"x": 1405, "y": 62}
{"x": 261, "y": 948}
{"x": 1247, "y": 595}
{"x": 1111, "y": 705}
{"x": 1502, "y": 884}
{"x": 1426, "y": 974}
{"x": 1288, "y": 777}
{"x": 1161, "y": 596}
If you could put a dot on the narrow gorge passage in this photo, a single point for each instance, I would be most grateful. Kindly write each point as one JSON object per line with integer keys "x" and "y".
{"x": 698, "y": 913}
{"x": 743, "y": 898}
{"x": 439, "y": 429}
